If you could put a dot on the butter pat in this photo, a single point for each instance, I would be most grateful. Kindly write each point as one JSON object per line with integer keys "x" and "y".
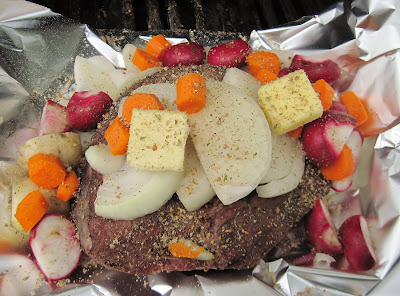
{"x": 157, "y": 140}
{"x": 289, "y": 102}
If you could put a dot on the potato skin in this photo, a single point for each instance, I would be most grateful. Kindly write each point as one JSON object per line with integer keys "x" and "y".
{"x": 85, "y": 109}
{"x": 356, "y": 241}
{"x": 316, "y": 70}
{"x": 183, "y": 54}
{"x": 229, "y": 54}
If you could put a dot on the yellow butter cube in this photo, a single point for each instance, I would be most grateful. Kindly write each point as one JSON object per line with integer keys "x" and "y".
{"x": 157, "y": 140}
{"x": 289, "y": 102}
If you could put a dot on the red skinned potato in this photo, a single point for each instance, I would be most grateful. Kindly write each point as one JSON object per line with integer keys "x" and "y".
{"x": 321, "y": 230}
{"x": 16, "y": 140}
{"x": 54, "y": 119}
{"x": 305, "y": 260}
{"x": 21, "y": 276}
{"x": 317, "y": 260}
{"x": 56, "y": 247}
{"x": 85, "y": 109}
{"x": 324, "y": 138}
{"x": 341, "y": 264}
{"x": 316, "y": 69}
{"x": 229, "y": 54}
{"x": 283, "y": 72}
{"x": 183, "y": 54}
{"x": 342, "y": 185}
{"x": 357, "y": 243}
{"x": 355, "y": 142}
{"x": 337, "y": 106}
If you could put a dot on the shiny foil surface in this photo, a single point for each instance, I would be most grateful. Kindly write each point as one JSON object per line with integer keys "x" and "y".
{"x": 37, "y": 51}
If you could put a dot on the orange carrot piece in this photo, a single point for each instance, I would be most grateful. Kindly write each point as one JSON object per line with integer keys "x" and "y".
{"x": 140, "y": 101}
{"x": 354, "y": 106}
{"x": 6, "y": 247}
{"x": 117, "y": 136}
{"x": 342, "y": 167}
{"x": 265, "y": 76}
{"x": 325, "y": 93}
{"x": 296, "y": 133}
{"x": 67, "y": 188}
{"x": 191, "y": 93}
{"x": 179, "y": 249}
{"x": 31, "y": 209}
{"x": 263, "y": 60}
{"x": 46, "y": 170}
{"x": 144, "y": 60}
{"x": 157, "y": 45}
{"x": 374, "y": 125}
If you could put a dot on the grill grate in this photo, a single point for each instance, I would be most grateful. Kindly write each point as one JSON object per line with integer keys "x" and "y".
{"x": 211, "y": 15}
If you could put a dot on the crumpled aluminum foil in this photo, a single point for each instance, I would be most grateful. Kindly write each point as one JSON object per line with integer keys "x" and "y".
{"x": 38, "y": 48}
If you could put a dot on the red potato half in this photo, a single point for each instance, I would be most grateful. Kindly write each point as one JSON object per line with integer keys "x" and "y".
{"x": 54, "y": 119}
{"x": 229, "y": 54}
{"x": 324, "y": 138}
{"x": 321, "y": 230}
{"x": 355, "y": 142}
{"x": 183, "y": 54}
{"x": 85, "y": 109}
{"x": 342, "y": 185}
{"x": 357, "y": 244}
{"x": 316, "y": 69}
{"x": 16, "y": 140}
{"x": 305, "y": 260}
{"x": 283, "y": 72}
{"x": 318, "y": 260}
{"x": 20, "y": 276}
{"x": 56, "y": 247}
{"x": 341, "y": 264}
{"x": 338, "y": 106}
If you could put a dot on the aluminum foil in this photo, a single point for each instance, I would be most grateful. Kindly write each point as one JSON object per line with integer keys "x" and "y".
{"x": 38, "y": 48}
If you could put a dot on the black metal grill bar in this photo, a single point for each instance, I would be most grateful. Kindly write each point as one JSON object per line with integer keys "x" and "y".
{"x": 199, "y": 14}
{"x": 212, "y": 15}
{"x": 174, "y": 19}
{"x": 154, "y": 21}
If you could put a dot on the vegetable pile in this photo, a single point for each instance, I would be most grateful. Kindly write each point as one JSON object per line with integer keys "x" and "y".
{"x": 196, "y": 138}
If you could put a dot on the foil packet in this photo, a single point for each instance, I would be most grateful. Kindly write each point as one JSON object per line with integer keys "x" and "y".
{"x": 37, "y": 51}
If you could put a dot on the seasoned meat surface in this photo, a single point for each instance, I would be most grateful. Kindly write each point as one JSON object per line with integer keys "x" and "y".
{"x": 238, "y": 235}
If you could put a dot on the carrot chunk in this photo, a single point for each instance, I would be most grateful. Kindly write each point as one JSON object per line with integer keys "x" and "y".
{"x": 325, "y": 93}
{"x": 67, "y": 188}
{"x": 342, "y": 167}
{"x": 31, "y": 209}
{"x": 296, "y": 133}
{"x": 46, "y": 170}
{"x": 191, "y": 93}
{"x": 140, "y": 101}
{"x": 5, "y": 247}
{"x": 265, "y": 76}
{"x": 374, "y": 125}
{"x": 144, "y": 60}
{"x": 354, "y": 106}
{"x": 157, "y": 45}
{"x": 180, "y": 249}
{"x": 263, "y": 60}
{"x": 117, "y": 136}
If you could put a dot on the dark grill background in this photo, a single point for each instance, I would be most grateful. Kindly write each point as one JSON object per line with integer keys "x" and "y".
{"x": 214, "y": 15}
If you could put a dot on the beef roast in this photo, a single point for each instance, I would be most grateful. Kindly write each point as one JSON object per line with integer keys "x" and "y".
{"x": 238, "y": 235}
